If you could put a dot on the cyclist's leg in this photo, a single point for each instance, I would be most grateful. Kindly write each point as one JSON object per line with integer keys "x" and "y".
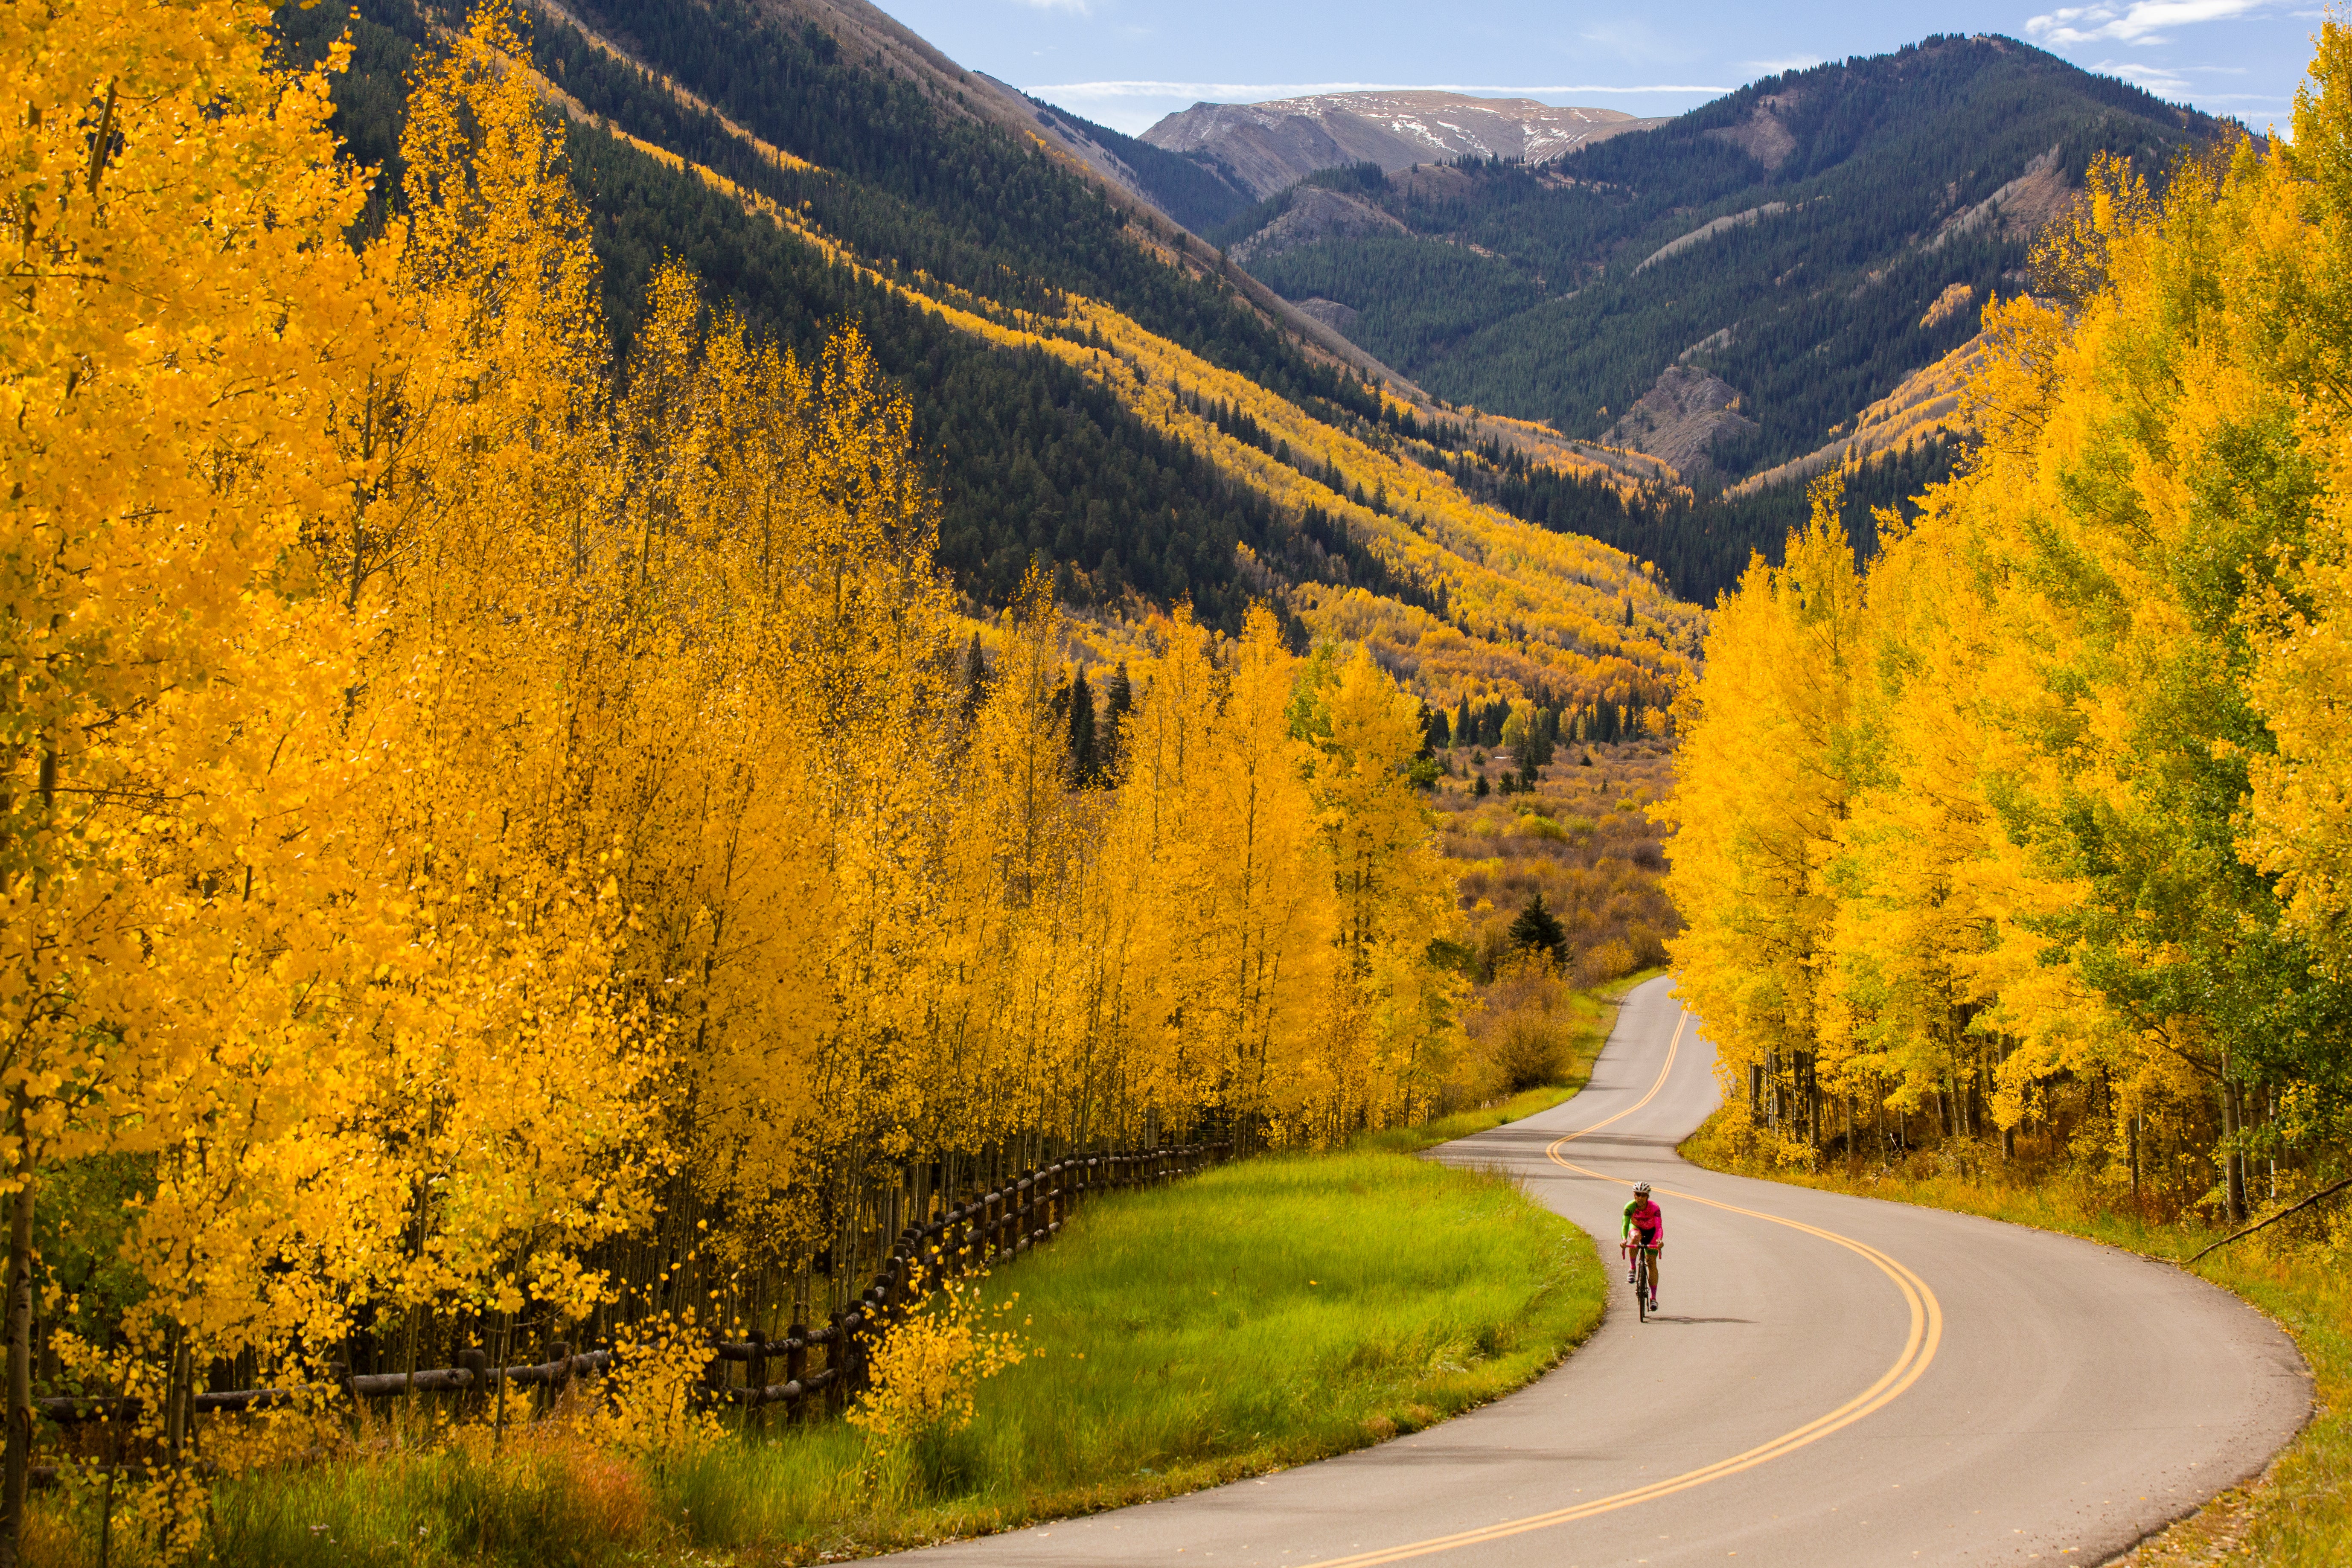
{"x": 1652, "y": 1254}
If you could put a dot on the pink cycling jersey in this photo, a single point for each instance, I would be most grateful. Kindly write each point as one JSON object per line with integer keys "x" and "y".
{"x": 1644, "y": 1215}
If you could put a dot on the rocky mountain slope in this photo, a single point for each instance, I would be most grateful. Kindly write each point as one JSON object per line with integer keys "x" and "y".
{"x": 1792, "y": 240}
{"x": 1263, "y": 148}
{"x": 1730, "y": 291}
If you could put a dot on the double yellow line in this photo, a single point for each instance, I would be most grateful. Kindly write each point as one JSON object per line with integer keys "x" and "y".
{"x": 1919, "y": 1349}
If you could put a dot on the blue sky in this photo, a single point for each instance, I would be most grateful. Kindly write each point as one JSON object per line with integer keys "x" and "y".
{"x": 1124, "y": 63}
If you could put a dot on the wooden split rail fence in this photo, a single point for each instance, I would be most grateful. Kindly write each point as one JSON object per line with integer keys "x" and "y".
{"x": 993, "y": 1227}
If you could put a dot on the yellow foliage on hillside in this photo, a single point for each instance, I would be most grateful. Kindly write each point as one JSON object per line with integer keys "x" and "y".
{"x": 1524, "y": 607}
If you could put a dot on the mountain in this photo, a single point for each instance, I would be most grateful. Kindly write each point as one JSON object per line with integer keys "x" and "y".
{"x": 1094, "y": 388}
{"x": 1729, "y": 292}
{"x": 1808, "y": 242}
{"x": 1187, "y": 189}
{"x": 1263, "y": 148}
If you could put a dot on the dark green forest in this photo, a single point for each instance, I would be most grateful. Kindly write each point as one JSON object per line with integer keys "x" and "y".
{"x": 1187, "y": 190}
{"x": 1824, "y": 301}
{"x": 1701, "y": 545}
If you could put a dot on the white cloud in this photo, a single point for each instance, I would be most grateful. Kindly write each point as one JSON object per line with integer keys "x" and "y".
{"x": 2156, "y": 79}
{"x": 2140, "y": 22}
{"x": 1774, "y": 68}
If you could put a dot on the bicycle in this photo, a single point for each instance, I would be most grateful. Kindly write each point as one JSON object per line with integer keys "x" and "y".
{"x": 1639, "y": 1276}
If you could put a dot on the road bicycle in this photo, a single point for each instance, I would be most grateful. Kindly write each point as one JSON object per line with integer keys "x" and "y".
{"x": 1639, "y": 1276}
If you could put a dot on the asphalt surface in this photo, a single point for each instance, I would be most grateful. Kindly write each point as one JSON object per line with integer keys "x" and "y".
{"x": 1830, "y": 1381}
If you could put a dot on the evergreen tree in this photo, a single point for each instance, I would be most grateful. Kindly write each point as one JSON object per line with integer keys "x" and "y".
{"x": 1536, "y": 930}
{"x": 1118, "y": 697}
{"x": 1482, "y": 787}
{"x": 1086, "y": 765}
{"x": 975, "y": 679}
{"x": 1463, "y": 734}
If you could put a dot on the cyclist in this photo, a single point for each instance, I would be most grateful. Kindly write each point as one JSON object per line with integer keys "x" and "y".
{"x": 1646, "y": 1221}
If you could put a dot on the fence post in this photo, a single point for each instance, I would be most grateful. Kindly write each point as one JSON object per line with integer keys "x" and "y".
{"x": 841, "y": 1360}
{"x": 796, "y": 1367}
{"x": 756, "y": 1380}
{"x": 556, "y": 1387}
{"x": 477, "y": 1365}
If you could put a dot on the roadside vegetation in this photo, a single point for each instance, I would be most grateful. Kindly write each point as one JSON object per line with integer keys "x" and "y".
{"x": 1573, "y": 1028}
{"x": 2300, "y": 1512}
{"x": 2015, "y": 864}
{"x": 1259, "y": 1315}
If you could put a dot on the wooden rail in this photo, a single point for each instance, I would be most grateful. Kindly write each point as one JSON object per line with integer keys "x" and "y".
{"x": 995, "y": 1226}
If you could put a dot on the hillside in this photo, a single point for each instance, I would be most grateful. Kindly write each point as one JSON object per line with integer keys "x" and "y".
{"x": 1092, "y": 389}
{"x": 1265, "y": 148}
{"x": 1808, "y": 242}
{"x": 1729, "y": 292}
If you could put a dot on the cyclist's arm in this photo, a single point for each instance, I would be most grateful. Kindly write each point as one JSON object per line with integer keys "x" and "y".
{"x": 1626, "y": 1229}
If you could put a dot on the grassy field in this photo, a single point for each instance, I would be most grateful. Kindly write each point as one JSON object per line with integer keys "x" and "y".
{"x": 2298, "y": 1515}
{"x": 1257, "y": 1316}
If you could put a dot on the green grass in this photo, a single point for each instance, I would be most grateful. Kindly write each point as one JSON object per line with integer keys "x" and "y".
{"x": 2298, "y": 1514}
{"x": 1259, "y": 1315}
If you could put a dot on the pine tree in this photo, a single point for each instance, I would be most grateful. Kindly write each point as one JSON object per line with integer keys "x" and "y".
{"x": 975, "y": 679}
{"x": 1086, "y": 765}
{"x": 1536, "y": 930}
{"x": 1109, "y": 739}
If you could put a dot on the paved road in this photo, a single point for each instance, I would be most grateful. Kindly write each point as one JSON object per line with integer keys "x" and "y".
{"x": 1833, "y": 1381}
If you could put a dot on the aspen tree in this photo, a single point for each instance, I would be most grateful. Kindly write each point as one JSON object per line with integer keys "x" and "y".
{"x": 184, "y": 316}
{"x": 1762, "y": 792}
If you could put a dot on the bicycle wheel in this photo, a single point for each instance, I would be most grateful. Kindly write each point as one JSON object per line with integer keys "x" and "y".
{"x": 1642, "y": 1288}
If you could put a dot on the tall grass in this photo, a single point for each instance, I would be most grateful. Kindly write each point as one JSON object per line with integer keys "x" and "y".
{"x": 2300, "y": 1512}
{"x": 1256, "y": 1316}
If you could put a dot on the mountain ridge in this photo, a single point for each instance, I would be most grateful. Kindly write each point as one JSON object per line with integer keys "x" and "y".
{"x": 1265, "y": 148}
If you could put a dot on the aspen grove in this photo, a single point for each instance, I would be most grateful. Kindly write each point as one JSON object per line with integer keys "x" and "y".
{"x": 2034, "y": 835}
{"x": 498, "y": 841}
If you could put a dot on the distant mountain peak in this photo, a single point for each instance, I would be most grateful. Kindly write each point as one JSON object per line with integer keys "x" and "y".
{"x": 1269, "y": 147}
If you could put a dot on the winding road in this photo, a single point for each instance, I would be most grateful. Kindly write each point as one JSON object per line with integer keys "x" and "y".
{"x": 1831, "y": 1380}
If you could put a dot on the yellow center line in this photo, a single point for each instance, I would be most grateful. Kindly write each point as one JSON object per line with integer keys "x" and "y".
{"x": 1926, "y": 1333}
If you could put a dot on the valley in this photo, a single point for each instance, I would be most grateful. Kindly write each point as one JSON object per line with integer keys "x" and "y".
{"x": 1735, "y": 292}
{"x": 759, "y": 799}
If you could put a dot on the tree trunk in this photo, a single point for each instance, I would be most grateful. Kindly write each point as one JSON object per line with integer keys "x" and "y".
{"x": 19, "y": 1465}
{"x": 2235, "y": 1166}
